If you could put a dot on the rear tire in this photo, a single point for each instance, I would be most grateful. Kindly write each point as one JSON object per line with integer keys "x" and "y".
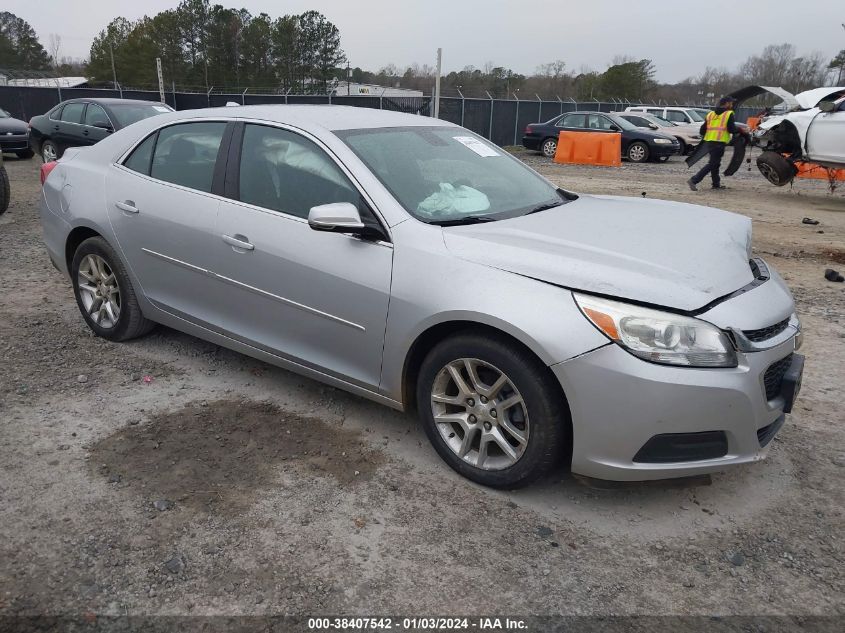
{"x": 549, "y": 147}
{"x": 104, "y": 293}
{"x": 535, "y": 425}
{"x": 638, "y": 152}
{"x": 776, "y": 169}
{"x": 25, "y": 153}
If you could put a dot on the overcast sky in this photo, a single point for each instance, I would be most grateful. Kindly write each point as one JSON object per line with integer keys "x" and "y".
{"x": 517, "y": 34}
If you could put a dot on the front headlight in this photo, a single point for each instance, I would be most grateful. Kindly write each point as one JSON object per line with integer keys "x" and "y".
{"x": 659, "y": 337}
{"x": 662, "y": 141}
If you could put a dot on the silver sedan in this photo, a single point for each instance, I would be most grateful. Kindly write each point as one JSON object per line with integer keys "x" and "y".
{"x": 412, "y": 262}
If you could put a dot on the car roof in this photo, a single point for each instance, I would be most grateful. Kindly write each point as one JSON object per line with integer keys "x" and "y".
{"x": 327, "y": 117}
{"x": 110, "y": 101}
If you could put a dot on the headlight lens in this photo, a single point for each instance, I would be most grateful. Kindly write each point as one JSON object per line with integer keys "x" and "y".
{"x": 659, "y": 337}
{"x": 662, "y": 141}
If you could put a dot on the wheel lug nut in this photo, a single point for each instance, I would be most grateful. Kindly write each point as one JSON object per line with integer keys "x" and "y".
{"x": 483, "y": 400}
{"x": 472, "y": 419}
{"x": 471, "y": 402}
{"x": 492, "y": 413}
{"x": 487, "y": 426}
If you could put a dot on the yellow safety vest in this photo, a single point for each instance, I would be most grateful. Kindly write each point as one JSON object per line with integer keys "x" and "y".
{"x": 717, "y": 127}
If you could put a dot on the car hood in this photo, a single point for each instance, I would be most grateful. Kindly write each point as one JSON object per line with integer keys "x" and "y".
{"x": 668, "y": 254}
{"x": 16, "y": 126}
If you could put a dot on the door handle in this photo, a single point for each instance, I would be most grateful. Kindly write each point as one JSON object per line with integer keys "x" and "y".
{"x": 55, "y": 127}
{"x": 128, "y": 206}
{"x": 238, "y": 241}
{"x": 84, "y": 132}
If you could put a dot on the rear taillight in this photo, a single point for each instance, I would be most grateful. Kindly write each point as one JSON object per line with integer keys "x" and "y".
{"x": 46, "y": 168}
{"x": 528, "y": 129}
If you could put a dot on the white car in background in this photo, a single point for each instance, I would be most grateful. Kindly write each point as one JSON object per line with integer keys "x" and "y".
{"x": 811, "y": 130}
{"x": 675, "y": 114}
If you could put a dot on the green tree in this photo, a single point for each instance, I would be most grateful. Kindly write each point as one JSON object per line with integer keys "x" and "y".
{"x": 110, "y": 40}
{"x": 838, "y": 63}
{"x": 628, "y": 80}
{"x": 19, "y": 45}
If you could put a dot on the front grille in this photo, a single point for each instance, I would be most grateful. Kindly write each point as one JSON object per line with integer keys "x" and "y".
{"x": 765, "y": 435}
{"x": 774, "y": 376}
{"x": 765, "y": 333}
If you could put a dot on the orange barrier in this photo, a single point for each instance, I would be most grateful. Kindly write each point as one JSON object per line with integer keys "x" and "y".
{"x": 589, "y": 148}
{"x": 752, "y": 122}
{"x": 811, "y": 170}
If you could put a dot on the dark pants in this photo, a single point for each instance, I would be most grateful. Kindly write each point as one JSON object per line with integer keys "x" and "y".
{"x": 716, "y": 150}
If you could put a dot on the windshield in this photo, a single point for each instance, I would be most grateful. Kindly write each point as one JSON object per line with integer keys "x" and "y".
{"x": 447, "y": 174}
{"x": 128, "y": 113}
{"x": 4, "y": 114}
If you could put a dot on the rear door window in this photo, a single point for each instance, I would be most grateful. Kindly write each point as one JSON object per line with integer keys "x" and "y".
{"x": 572, "y": 121}
{"x": 185, "y": 154}
{"x": 72, "y": 112}
{"x": 677, "y": 116}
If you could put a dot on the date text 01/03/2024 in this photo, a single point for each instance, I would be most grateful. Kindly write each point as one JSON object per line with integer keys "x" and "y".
{"x": 417, "y": 624}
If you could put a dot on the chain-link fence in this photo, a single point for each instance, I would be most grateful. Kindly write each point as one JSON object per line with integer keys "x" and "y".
{"x": 500, "y": 120}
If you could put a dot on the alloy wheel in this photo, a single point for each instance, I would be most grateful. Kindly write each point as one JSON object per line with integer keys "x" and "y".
{"x": 49, "y": 153}
{"x": 99, "y": 291}
{"x": 480, "y": 414}
{"x": 549, "y": 148}
{"x": 636, "y": 153}
{"x": 769, "y": 173}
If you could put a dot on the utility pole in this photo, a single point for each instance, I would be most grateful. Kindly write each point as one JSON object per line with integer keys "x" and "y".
{"x": 437, "y": 84}
{"x": 160, "y": 79}
{"x": 348, "y": 79}
{"x": 113, "y": 71}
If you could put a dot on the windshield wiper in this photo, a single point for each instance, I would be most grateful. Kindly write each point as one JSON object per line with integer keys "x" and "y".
{"x": 545, "y": 206}
{"x": 467, "y": 219}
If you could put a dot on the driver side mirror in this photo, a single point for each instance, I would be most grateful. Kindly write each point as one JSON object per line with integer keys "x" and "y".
{"x": 827, "y": 106}
{"x": 336, "y": 217}
{"x": 614, "y": 128}
{"x": 104, "y": 125}
{"x": 653, "y": 126}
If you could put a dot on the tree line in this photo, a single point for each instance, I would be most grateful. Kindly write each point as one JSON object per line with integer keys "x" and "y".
{"x": 204, "y": 45}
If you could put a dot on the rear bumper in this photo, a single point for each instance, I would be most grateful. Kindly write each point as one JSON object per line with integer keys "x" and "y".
{"x": 619, "y": 403}
{"x": 531, "y": 142}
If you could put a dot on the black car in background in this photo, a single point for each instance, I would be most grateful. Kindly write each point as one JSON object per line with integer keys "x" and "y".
{"x": 80, "y": 122}
{"x": 638, "y": 145}
{"x": 14, "y": 136}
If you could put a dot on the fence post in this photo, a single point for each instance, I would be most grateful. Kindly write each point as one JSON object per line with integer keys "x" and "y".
{"x": 516, "y": 118}
{"x": 286, "y": 95}
{"x": 208, "y": 96}
{"x": 462, "y": 105}
{"x": 561, "y": 103}
{"x": 381, "y": 99}
{"x": 539, "y": 109}
{"x": 59, "y": 88}
{"x": 243, "y": 97}
{"x": 490, "y": 129}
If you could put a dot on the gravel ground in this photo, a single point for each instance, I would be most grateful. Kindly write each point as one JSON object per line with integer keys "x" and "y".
{"x": 170, "y": 476}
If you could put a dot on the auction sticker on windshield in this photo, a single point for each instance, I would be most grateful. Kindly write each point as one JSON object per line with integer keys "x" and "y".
{"x": 476, "y": 146}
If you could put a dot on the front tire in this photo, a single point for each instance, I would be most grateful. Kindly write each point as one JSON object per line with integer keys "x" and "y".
{"x": 50, "y": 151}
{"x": 638, "y": 152}
{"x": 682, "y": 151}
{"x": 5, "y": 189}
{"x": 492, "y": 410}
{"x": 776, "y": 169}
{"x": 25, "y": 153}
{"x": 104, "y": 292}
{"x": 549, "y": 147}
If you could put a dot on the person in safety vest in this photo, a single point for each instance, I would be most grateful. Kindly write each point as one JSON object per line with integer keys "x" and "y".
{"x": 716, "y": 132}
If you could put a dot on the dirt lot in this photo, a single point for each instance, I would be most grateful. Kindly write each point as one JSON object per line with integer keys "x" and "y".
{"x": 170, "y": 476}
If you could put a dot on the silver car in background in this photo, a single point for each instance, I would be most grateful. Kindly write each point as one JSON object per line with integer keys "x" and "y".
{"x": 407, "y": 260}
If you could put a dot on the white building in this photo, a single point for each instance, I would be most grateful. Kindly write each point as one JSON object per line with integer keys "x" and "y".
{"x": 343, "y": 88}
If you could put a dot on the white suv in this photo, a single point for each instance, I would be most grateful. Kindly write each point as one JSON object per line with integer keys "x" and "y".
{"x": 676, "y": 114}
